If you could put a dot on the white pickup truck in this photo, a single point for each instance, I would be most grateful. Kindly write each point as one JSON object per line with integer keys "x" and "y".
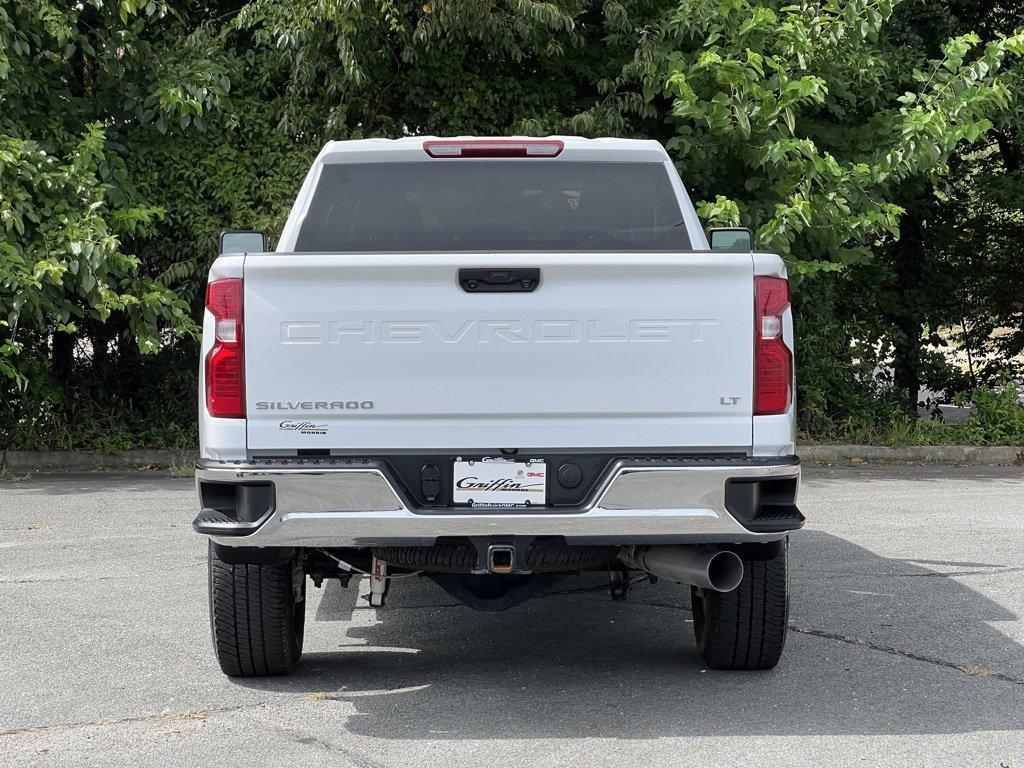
{"x": 493, "y": 363}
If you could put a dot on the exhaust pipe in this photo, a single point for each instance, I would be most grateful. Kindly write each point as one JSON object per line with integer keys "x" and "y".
{"x": 706, "y": 567}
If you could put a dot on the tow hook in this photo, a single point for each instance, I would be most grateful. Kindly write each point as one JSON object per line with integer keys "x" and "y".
{"x": 501, "y": 558}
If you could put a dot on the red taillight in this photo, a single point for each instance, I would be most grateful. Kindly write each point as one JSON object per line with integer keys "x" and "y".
{"x": 225, "y": 364}
{"x": 494, "y": 147}
{"x": 773, "y": 362}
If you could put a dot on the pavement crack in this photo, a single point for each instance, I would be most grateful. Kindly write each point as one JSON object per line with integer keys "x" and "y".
{"x": 950, "y": 574}
{"x": 356, "y": 759}
{"x": 967, "y": 669}
{"x": 118, "y": 577}
{"x": 58, "y": 580}
{"x": 193, "y": 714}
{"x": 815, "y": 574}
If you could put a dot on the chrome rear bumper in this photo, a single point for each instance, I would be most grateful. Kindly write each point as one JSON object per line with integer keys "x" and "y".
{"x": 322, "y": 504}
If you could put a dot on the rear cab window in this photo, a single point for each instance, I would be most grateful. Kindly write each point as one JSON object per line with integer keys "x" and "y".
{"x": 493, "y": 205}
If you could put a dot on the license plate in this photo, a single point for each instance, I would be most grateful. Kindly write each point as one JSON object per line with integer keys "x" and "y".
{"x": 499, "y": 482}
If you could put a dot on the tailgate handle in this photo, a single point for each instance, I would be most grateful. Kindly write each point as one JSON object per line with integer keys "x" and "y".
{"x": 499, "y": 279}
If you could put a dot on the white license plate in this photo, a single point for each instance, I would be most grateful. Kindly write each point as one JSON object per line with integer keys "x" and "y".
{"x": 500, "y": 482}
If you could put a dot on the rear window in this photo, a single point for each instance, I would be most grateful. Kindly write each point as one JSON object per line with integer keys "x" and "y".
{"x": 499, "y": 205}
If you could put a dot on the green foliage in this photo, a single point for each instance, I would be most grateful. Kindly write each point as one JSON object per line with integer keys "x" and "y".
{"x": 145, "y": 402}
{"x": 874, "y": 144}
{"x": 69, "y": 75}
{"x": 801, "y": 121}
{"x": 997, "y": 418}
{"x": 62, "y": 259}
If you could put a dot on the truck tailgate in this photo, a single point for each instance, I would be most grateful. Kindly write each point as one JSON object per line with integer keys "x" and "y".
{"x": 381, "y": 351}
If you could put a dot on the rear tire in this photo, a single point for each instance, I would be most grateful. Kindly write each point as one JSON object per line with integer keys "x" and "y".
{"x": 257, "y": 616}
{"x": 746, "y": 628}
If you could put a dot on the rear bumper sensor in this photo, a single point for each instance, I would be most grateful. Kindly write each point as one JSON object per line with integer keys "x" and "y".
{"x": 356, "y": 503}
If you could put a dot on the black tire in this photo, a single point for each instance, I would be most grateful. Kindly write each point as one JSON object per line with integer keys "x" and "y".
{"x": 746, "y": 628}
{"x": 256, "y": 616}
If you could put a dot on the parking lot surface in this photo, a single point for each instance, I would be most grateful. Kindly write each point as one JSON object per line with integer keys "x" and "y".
{"x": 906, "y": 647}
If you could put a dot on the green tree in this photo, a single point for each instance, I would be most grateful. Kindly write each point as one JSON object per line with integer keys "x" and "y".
{"x": 74, "y": 80}
{"x": 825, "y": 127}
{"x": 875, "y": 145}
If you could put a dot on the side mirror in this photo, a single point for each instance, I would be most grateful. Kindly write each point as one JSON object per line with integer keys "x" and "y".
{"x": 243, "y": 241}
{"x": 733, "y": 239}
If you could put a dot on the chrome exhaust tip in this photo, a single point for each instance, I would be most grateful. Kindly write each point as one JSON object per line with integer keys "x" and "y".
{"x": 724, "y": 571}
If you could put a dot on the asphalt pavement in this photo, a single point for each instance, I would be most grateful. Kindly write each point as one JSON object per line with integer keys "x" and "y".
{"x": 906, "y": 647}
